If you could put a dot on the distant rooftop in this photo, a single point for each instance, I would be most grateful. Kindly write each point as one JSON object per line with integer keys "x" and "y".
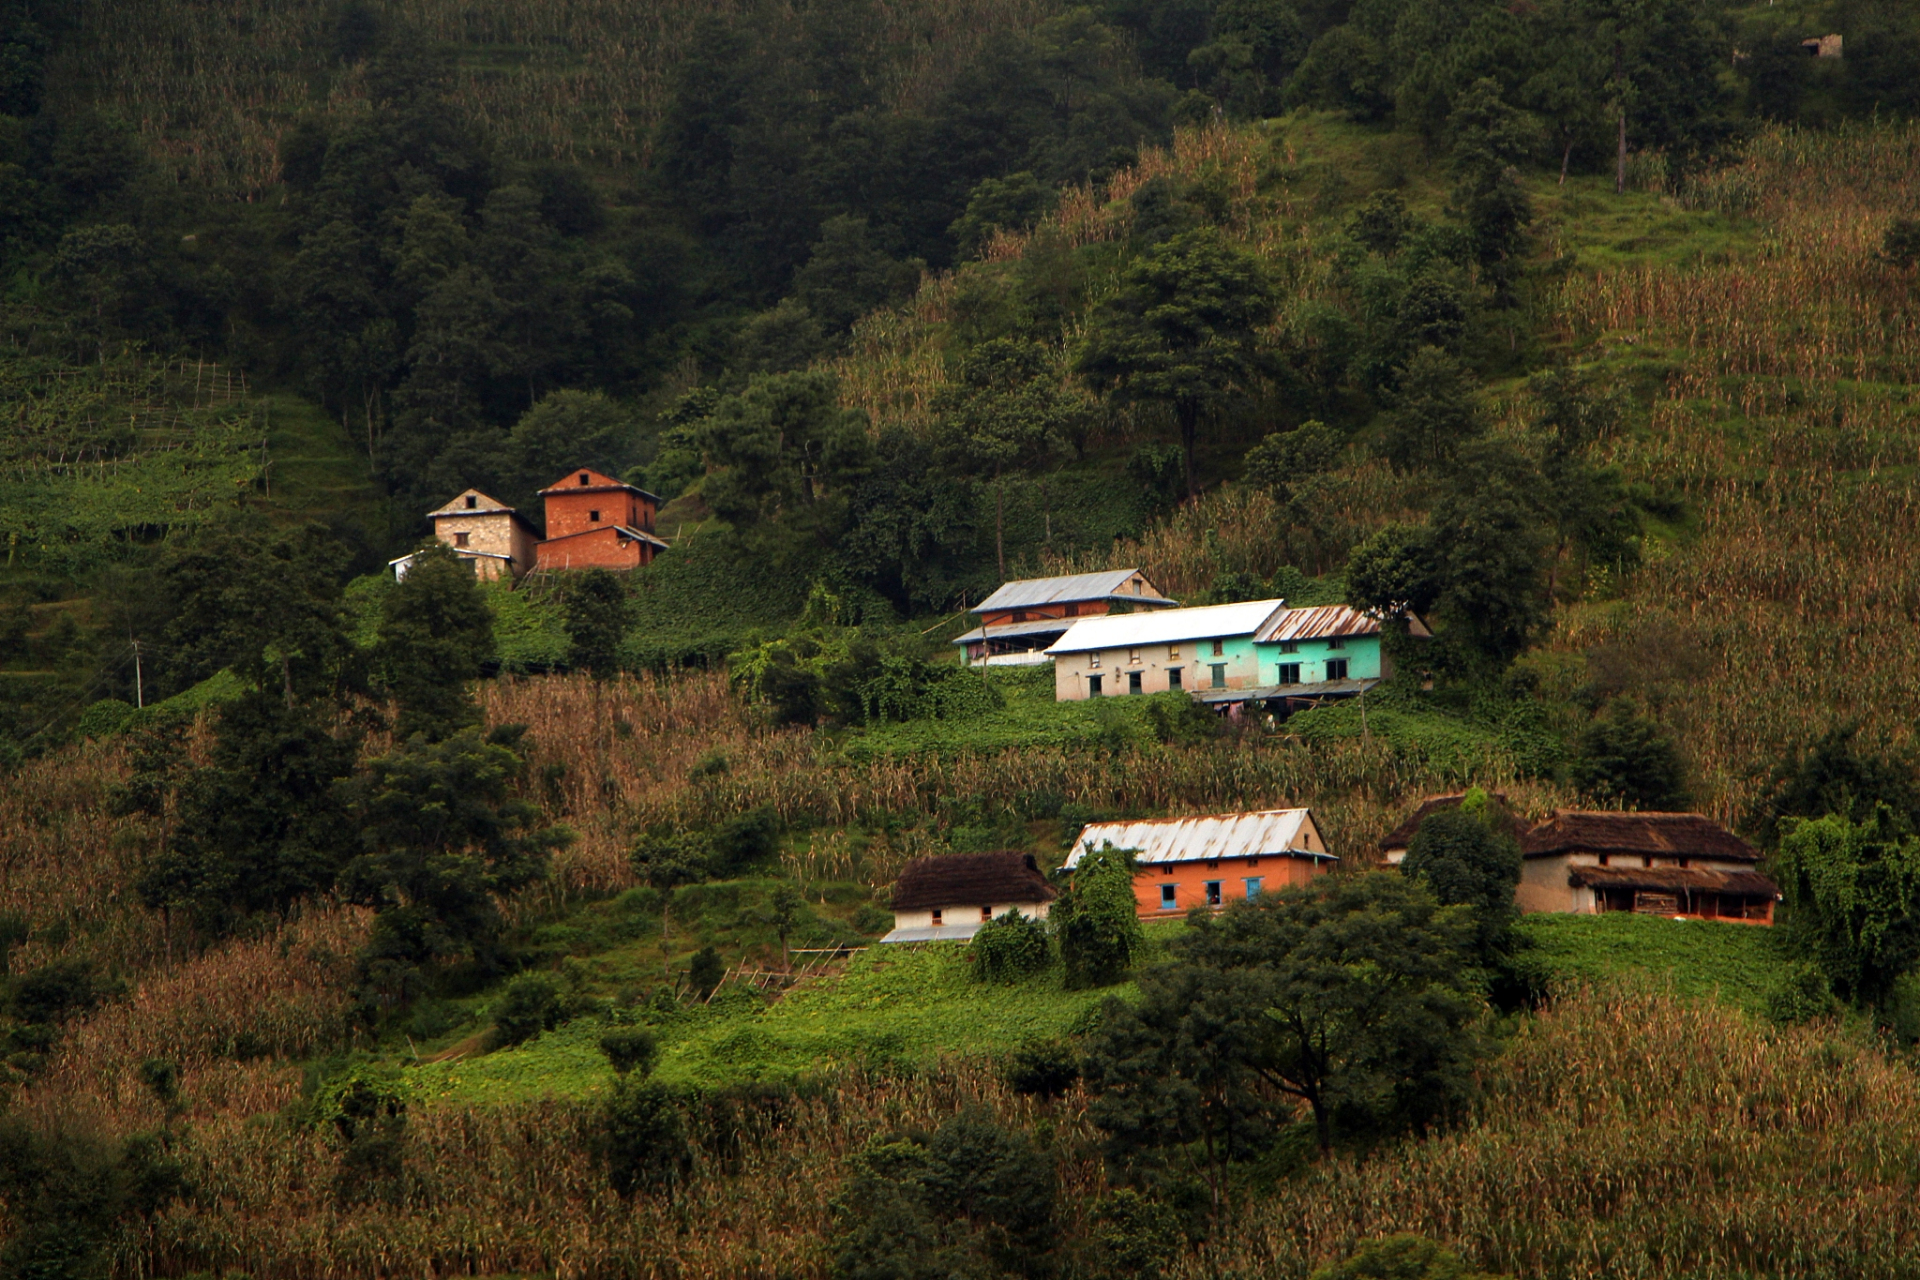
{"x": 1323, "y": 622}
{"x": 1025, "y": 593}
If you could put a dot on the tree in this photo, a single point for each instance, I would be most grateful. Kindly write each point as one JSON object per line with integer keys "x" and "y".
{"x": 1465, "y": 860}
{"x": 444, "y": 836}
{"x": 630, "y": 1050}
{"x": 1435, "y": 411}
{"x": 786, "y": 907}
{"x": 569, "y": 429}
{"x": 1096, "y": 920}
{"x": 436, "y": 631}
{"x": 781, "y": 447}
{"x": 1626, "y": 757}
{"x": 1838, "y": 774}
{"x": 641, "y": 1139}
{"x": 666, "y": 858}
{"x": 1285, "y": 462}
{"x": 1004, "y": 412}
{"x": 1490, "y": 139}
{"x": 597, "y": 611}
{"x": 69, "y": 1195}
{"x": 1182, "y": 331}
{"x": 1366, "y": 1000}
{"x": 261, "y": 827}
{"x": 848, "y": 275}
{"x": 1852, "y": 893}
{"x": 705, "y": 972}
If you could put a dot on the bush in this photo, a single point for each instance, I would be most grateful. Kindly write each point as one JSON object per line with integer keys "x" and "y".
{"x": 532, "y": 1004}
{"x": 705, "y": 971}
{"x": 1625, "y": 756}
{"x": 872, "y": 918}
{"x": 1134, "y": 1235}
{"x": 1042, "y": 1069}
{"x": 1403, "y": 1257}
{"x": 631, "y": 1050}
{"x": 641, "y": 1137}
{"x": 1010, "y": 948}
{"x": 1096, "y": 920}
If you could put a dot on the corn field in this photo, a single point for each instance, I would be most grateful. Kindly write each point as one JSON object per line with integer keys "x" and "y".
{"x": 213, "y": 86}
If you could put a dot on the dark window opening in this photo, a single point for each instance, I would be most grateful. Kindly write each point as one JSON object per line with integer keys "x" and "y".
{"x": 1336, "y": 668}
{"x": 1289, "y": 646}
{"x": 1219, "y": 670}
{"x": 472, "y": 502}
{"x": 1168, "y": 898}
{"x": 459, "y": 539}
{"x": 1219, "y": 647}
{"x": 1647, "y": 861}
{"x": 1289, "y": 673}
{"x": 1093, "y": 686}
{"x": 1073, "y": 611}
{"x": 585, "y": 478}
{"x": 936, "y": 917}
{"x": 1336, "y": 643}
{"x": 594, "y": 516}
{"x": 986, "y": 914}
{"x": 1605, "y": 859}
{"x": 1213, "y": 893}
{"x": 1173, "y": 677}
{"x": 1133, "y": 682}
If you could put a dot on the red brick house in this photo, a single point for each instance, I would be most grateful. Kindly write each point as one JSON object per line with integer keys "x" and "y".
{"x": 596, "y": 522}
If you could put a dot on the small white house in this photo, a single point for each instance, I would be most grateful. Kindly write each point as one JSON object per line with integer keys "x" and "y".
{"x": 948, "y": 898}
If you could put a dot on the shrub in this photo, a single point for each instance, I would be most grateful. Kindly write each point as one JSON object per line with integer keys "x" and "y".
{"x": 1042, "y": 1069}
{"x": 1135, "y": 1235}
{"x": 1625, "y": 756}
{"x": 1009, "y": 948}
{"x": 872, "y": 918}
{"x": 705, "y": 971}
{"x": 631, "y": 1050}
{"x": 1404, "y": 1257}
{"x": 641, "y": 1137}
{"x": 532, "y": 1004}
{"x": 1096, "y": 920}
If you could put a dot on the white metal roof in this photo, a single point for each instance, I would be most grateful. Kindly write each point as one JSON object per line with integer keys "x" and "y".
{"x": 1164, "y": 626}
{"x": 934, "y": 933}
{"x": 1219, "y": 835}
{"x": 1026, "y": 592}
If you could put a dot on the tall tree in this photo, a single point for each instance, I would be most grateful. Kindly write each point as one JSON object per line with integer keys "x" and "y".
{"x": 1852, "y": 892}
{"x": 1182, "y": 331}
{"x": 436, "y": 632}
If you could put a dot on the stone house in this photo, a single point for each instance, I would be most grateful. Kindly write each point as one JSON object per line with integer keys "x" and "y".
{"x": 490, "y": 535}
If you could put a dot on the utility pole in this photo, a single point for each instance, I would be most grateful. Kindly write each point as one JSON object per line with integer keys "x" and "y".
{"x": 139, "y": 685}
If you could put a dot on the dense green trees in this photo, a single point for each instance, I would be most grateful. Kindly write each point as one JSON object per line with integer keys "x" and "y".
{"x": 1467, "y": 859}
{"x": 1852, "y": 891}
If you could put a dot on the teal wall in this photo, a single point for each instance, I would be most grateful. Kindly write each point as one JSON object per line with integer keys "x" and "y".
{"x": 1362, "y": 654}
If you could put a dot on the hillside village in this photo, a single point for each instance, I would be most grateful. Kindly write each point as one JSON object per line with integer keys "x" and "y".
{"x": 959, "y": 640}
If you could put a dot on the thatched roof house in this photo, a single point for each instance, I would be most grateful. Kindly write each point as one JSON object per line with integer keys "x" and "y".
{"x": 951, "y": 896}
{"x": 1671, "y": 864}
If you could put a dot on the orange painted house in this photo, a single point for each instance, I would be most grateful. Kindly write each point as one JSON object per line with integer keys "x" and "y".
{"x": 596, "y": 522}
{"x": 1182, "y": 863}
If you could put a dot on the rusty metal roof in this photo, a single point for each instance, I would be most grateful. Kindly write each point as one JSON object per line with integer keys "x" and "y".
{"x": 1165, "y": 626}
{"x": 1104, "y": 585}
{"x": 1324, "y": 622}
{"x": 1219, "y": 835}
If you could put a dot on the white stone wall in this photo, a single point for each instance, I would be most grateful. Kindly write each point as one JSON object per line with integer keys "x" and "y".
{"x": 967, "y": 913}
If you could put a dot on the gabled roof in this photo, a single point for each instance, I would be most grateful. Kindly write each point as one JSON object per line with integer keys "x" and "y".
{"x": 1402, "y": 836}
{"x": 1010, "y": 630}
{"x": 594, "y": 482}
{"x": 970, "y": 880}
{"x": 1266, "y": 832}
{"x": 1164, "y": 626}
{"x": 1682, "y": 835}
{"x": 1326, "y": 621}
{"x": 483, "y": 506}
{"x": 1027, "y": 592}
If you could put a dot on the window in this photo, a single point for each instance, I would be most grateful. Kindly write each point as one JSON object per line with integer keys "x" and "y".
{"x": 1289, "y": 673}
{"x": 936, "y": 917}
{"x": 594, "y": 516}
{"x": 1213, "y": 893}
{"x": 1093, "y": 686}
{"x": 1289, "y": 646}
{"x": 1213, "y": 864}
{"x": 472, "y": 502}
{"x": 1219, "y": 647}
{"x": 1133, "y": 656}
{"x": 1647, "y": 861}
{"x": 1173, "y": 677}
{"x": 1605, "y": 858}
{"x": 1173, "y": 653}
{"x": 1336, "y": 668}
{"x": 1093, "y": 659}
{"x": 1336, "y": 643}
{"x": 459, "y": 539}
{"x": 585, "y": 478}
{"x": 1019, "y": 615}
{"x": 1219, "y": 670}
{"x": 1133, "y": 682}
{"x": 1072, "y": 611}
{"x": 1253, "y": 887}
{"x": 1168, "y": 897}
{"x": 1685, "y": 863}
{"x": 986, "y": 914}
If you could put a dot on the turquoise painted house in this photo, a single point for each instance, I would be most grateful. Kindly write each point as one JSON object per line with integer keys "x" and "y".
{"x": 1328, "y": 651}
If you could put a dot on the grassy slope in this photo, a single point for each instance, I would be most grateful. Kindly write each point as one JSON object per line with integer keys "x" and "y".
{"x": 1735, "y": 964}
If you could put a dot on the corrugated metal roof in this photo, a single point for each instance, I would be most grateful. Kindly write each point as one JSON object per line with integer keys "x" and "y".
{"x": 483, "y": 506}
{"x": 1220, "y": 835}
{"x": 1027, "y": 592}
{"x": 1164, "y": 626}
{"x": 934, "y": 933}
{"x": 1260, "y": 693}
{"x": 1318, "y": 623}
{"x": 1013, "y": 630}
{"x": 637, "y": 535}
